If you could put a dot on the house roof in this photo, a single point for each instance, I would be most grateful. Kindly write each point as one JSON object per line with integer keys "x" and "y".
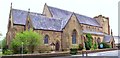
{"x": 107, "y": 38}
{"x": 41, "y": 22}
{"x": 92, "y": 32}
{"x": 19, "y": 16}
{"x": 65, "y": 16}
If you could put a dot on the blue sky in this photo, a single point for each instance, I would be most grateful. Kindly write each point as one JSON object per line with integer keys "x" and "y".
{"x": 91, "y": 8}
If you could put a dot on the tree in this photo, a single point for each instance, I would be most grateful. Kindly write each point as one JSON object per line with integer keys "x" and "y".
{"x": 30, "y": 40}
{"x": 0, "y": 44}
{"x": 4, "y": 45}
{"x": 0, "y": 41}
{"x": 88, "y": 43}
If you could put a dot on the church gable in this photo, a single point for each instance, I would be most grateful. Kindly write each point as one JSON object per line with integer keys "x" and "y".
{"x": 46, "y": 11}
{"x": 28, "y": 24}
{"x": 72, "y": 24}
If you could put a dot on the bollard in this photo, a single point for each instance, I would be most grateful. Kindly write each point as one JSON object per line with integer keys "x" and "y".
{"x": 86, "y": 54}
{"x": 82, "y": 53}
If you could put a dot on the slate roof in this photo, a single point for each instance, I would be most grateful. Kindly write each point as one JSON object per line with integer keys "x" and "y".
{"x": 107, "y": 38}
{"x": 57, "y": 22}
{"x": 92, "y": 32}
{"x": 19, "y": 16}
{"x": 87, "y": 20}
{"x": 60, "y": 14}
{"x": 38, "y": 21}
{"x": 65, "y": 15}
{"x": 41, "y": 22}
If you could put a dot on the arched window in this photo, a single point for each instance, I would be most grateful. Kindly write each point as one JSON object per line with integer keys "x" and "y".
{"x": 98, "y": 40}
{"x": 46, "y": 39}
{"x": 74, "y": 37}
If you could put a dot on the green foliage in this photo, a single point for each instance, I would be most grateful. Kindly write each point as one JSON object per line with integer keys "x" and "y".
{"x": 8, "y": 52}
{"x": 1, "y": 44}
{"x": 4, "y": 45}
{"x": 105, "y": 45}
{"x": 28, "y": 39}
{"x": 80, "y": 47}
{"x": 73, "y": 51}
{"x": 95, "y": 46}
{"x": 88, "y": 43}
{"x": 92, "y": 48}
{"x": 74, "y": 48}
{"x": 4, "y": 42}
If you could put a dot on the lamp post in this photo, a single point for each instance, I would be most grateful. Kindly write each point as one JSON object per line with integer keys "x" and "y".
{"x": 22, "y": 47}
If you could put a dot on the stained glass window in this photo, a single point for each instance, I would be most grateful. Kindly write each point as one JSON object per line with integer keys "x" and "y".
{"x": 46, "y": 39}
{"x": 74, "y": 37}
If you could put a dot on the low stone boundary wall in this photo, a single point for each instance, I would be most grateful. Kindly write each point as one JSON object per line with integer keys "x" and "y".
{"x": 42, "y": 55}
{"x": 98, "y": 50}
{"x": 57, "y": 54}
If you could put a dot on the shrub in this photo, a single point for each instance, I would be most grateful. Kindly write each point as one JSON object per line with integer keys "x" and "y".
{"x": 92, "y": 48}
{"x": 8, "y": 52}
{"x": 95, "y": 46}
{"x": 4, "y": 45}
{"x": 80, "y": 47}
{"x": 73, "y": 51}
{"x": 88, "y": 43}
{"x": 105, "y": 45}
{"x": 87, "y": 46}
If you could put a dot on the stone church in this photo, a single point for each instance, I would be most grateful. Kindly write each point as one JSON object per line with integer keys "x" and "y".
{"x": 58, "y": 26}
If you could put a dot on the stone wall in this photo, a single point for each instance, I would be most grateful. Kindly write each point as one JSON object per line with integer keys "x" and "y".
{"x": 91, "y": 28}
{"x": 104, "y": 22}
{"x": 54, "y": 36}
{"x": 12, "y": 32}
{"x": 72, "y": 25}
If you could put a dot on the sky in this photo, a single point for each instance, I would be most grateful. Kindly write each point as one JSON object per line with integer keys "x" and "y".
{"x": 90, "y": 8}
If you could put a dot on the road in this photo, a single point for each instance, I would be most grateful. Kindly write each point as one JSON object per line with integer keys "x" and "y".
{"x": 106, "y": 53}
{"x": 109, "y": 54}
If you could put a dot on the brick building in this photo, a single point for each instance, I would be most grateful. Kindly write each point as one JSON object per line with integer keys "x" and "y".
{"x": 61, "y": 27}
